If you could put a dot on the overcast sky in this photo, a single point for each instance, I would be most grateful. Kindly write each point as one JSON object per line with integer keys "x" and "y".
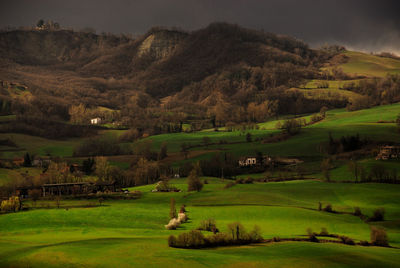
{"x": 371, "y": 25}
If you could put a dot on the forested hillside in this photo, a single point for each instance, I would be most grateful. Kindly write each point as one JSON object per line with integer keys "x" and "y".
{"x": 222, "y": 74}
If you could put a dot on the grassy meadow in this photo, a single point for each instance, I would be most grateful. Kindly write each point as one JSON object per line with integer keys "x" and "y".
{"x": 369, "y": 65}
{"x": 131, "y": 232}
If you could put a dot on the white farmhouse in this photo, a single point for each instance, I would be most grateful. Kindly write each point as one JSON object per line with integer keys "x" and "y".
{"x": 95, "y": 121}
{"x": 247, "y": 161}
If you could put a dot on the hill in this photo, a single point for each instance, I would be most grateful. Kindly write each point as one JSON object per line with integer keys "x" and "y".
{"x": 166, "y": 78}
{"x": 93, "y": 68}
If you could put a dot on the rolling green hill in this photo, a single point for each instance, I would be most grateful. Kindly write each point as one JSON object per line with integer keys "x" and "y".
{"x": 124, "y": 233}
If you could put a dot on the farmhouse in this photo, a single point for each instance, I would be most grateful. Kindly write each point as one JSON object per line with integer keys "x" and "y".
{"x": 388, "y": 152}
{"x": 247, "y": 161}
{"x": 95, "y": 121}
{"x": 41, "y": 162}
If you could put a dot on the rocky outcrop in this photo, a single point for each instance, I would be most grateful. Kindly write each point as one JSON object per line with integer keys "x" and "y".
{"x": 160, "y": 44}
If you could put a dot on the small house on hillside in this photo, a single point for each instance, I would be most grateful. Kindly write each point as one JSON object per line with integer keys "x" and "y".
{"x": 95, "y": 121}
{"x": 18, "y": 161}
{"x": 248, "y": 161}
{"x": 41, "y": 162}
{"x": 388, "y": 152}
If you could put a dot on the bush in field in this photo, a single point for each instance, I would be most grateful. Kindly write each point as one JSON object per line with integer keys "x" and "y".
{"x": 291, "y": 126}
{"x": 357, "y": 211}
{"x": 328, "y": 208}
{"x": 379, "y": 237}
{"x": 364, "y": 243}
{"x": 13, "y": 204}
{"x": 347, "y": 240}
{"x": 236, "y": 231}
{"x": 35, "y": 194}
{"x": 172, "y": 209}
{"x": 324, "y": 232}
{"x": 182, "y": 217}
{"x": 172, "y": 241}
{"x": 218, "y": 239}
{"x": 248, "y": 180}
{"x": 208, "y": 225}
{"x": 182, "y": 209}
{"x": 229, "y": 185}
{"x": 379, "y": 215}
{"x": 237, "y": 235}
{"x": 95, "y": 147}
{"x": 255, "y": 234}
{"x": 173, "y": 224}
{"x": 192, "y": 239}
{"x": 194, "y": 182}
{"x": 312, "y": 236}
{"x": 164, "y": 186}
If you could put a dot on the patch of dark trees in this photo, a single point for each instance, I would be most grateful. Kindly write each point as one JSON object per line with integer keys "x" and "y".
{"x": 237, "y": 235}
{"x": 376, "y": 91}
{"x": 45, "y": 128}
{"x": 99, "y": 146}
{"x": 345, "y": 144}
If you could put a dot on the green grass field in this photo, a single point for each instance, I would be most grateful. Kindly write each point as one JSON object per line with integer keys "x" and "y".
{"x": 339, "y": 122}
{"x": 131, "y": 233}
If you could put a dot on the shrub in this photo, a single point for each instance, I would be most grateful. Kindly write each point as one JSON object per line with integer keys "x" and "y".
{"x": 379, "y": 215}
{"x": 239, "y": 181}
{"x": 379, "y": 237}
{"x": 13, "y": 204}
{"x": 248, "y": 180}
{"x": 324, "y": 232}
{"x": 236, "y": 235}
{"x": 328, "y": 208}
{"x": 95, "y": 147}
{"x": 218, "y": 239}
{"x": 192, "y": 239}
{"x": 347, "y": 240}
{"x": 291, "y": 126}
{"x": 182, "y": 217}
{"x": 172, "y": 241}
{"x": 182, "y": 209}
{"x": 236, "y": 231}
{"x": 164, "y": 186}
{"x": 229, "y": 185}
{"x": 311, "y": 235}
{"x": 357, "y": 211}
{"x": 35, "y": 194}
{"x": 255, "y": 234}
{"x": 173, "y": 224}
{"x": 276, "y": 239}
{"x": 208, "y": 225}
{"x": 194, "y": 182}
{"x": 364, "y": 243}
{"x": 172, "y": 209}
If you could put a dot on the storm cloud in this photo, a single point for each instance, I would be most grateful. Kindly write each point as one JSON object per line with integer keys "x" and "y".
{"x": 369, "y": 25}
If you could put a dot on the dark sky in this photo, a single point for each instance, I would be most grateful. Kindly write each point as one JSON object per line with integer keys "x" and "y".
{"x": 371, "y": 25}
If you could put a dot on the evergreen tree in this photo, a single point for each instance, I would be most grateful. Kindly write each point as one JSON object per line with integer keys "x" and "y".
{"x": 194, "y": 182}
{"x": 172, "y": 210}
{"x": 27, "y": 160}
